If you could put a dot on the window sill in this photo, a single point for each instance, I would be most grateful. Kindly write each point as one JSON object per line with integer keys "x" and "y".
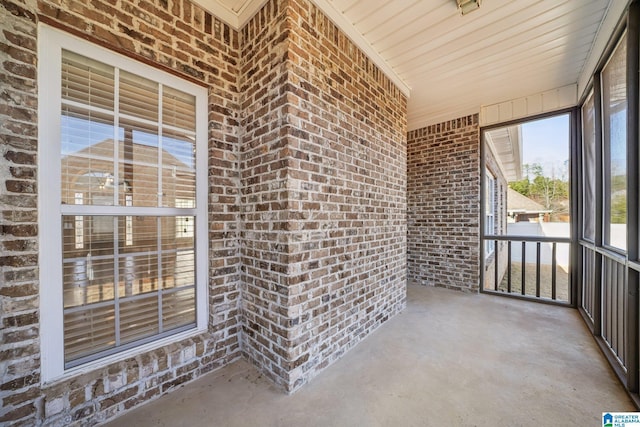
{"x": 119, "y": 357}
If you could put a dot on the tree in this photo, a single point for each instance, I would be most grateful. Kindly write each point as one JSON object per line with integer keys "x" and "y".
{"x": 551, "y": 192}
{"x": 521, "y": 186}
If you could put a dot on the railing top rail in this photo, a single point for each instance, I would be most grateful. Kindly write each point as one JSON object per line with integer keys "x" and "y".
{"x": 615, "y": 254}
{"x": 544, "y": 239}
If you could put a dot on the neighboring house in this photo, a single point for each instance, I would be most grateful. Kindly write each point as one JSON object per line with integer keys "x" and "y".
{"x": 520, "y": 208}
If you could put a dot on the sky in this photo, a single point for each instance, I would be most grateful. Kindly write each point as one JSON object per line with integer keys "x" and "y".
{"x": 546, "y": 142}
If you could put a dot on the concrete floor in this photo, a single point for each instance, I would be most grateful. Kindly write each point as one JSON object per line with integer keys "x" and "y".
{"x": 449, "y": 359}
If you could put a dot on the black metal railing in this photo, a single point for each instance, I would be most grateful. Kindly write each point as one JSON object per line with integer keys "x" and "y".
{"x": 590, "y": 279}
{"x": 604, "y": 303}
{"x": 527, "y": 267}
{"x": 614, "y": 291}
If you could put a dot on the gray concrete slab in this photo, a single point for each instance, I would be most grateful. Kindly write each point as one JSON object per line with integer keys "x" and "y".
{"x": 449, "y": 359}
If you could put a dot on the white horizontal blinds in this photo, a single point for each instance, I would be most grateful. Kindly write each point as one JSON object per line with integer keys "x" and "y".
{"x": 138, "y": 319}
{"x": 180, "y": 249}
{"x": 138, "y": 149}
{"x": 86, "y": 81}
{"x": 138, "y": 263}
{"x": 88, "y": 287}
{"x": 178, "y": 168}
{"x": 86, "y": 156}
{"x": 178, "y": 308}
{"x": 131, "y": 277}
{"x": 88, "y": 270}
{"x": 179, "y": 275}
{"x": 178, "y": 143}
{"x": 138, "y": 97}
{"x": 138, "y": 161}
{"x": 87, "y": 130}
{"x": 152, "y": 272}
{"x": 178, "y": 109}
{"x": 89, "y": 331}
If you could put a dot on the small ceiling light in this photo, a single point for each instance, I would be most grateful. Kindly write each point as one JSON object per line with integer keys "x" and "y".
{"x": 467, "y": 6}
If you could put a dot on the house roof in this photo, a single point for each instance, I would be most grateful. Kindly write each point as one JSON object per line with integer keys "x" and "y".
{"x": 452, "y": 65}
{"x": 517, "y": 203}
{"x": 147, "y": 154}
{"x": 506, "y": 143}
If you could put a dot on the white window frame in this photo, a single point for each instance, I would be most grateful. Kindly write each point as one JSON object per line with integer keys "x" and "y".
{"x": 50, "y": 44}
{"x": 490, "y": 208}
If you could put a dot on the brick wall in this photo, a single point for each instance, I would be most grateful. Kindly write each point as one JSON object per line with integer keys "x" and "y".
{"x": 265, "y": 217}
{"x": 443, "y": 187}
{"x": 323, "y": 201}
{"x": 19, "y": 344}
{"x": 177, "y": 36}
{"x": 347, "y": 197}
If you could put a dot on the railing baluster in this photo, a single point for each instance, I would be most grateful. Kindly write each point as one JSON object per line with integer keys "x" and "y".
{"x": 524, "y": 263}
{"x": 506, "y": 282}
{"x": 509, "y": 266}
{"x": 538, "y": 245}
{"x": 622, "y": 329}
{"x": 553, "y": 271}
{"x": 496, "y": 251}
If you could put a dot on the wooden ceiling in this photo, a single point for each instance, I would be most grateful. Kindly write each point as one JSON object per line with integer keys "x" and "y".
{"x": 450, "y": 64}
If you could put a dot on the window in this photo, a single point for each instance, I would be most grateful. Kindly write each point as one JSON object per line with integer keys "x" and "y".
{"x": 589, "y": 169}
{"x": 130, "y": 144}
{"x": 490, "y": 204}
{"x": 614, "y": 138}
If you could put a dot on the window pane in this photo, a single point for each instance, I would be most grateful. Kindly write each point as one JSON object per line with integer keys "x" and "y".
{"x": 489, "y": 203}
{"x": 178, "y": 309}
{"x": 138, "y": 319}
{"x": 144, "y": 235}
{"x": 179, "y": 269}
{"x": 138, "y": 274}
{"x": 138, "y": 263}
{"x": 86, "y": 157}
{"x": 178, "y": 168}
{"x": 614, "y": 108}
{"x": 148, "y": 260}
{"x": 138, "y": 163}
{"x": 87, "y": 81}
{"x": 178, "y": 109}
{"x": 178, "y": 238}
{"x": 138, "y": 97}
{"x": 88, "y": 267}
{"x": 589, "y": 169}
{"x": 88, "y": 332}
{"x": 178, "y": 252}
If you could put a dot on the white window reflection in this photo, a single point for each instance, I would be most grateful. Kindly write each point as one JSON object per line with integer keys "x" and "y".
{"x": 184, "y": 224}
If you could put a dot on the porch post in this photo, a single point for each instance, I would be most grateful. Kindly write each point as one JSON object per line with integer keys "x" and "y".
{"x": 599, "y": 191}
{"x": 577, "y": 223}
{"x": 633, "y": 187}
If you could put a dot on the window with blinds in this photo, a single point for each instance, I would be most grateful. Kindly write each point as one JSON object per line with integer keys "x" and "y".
{"x": 130, "y": 208}
{"x": 490, "y": 202}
